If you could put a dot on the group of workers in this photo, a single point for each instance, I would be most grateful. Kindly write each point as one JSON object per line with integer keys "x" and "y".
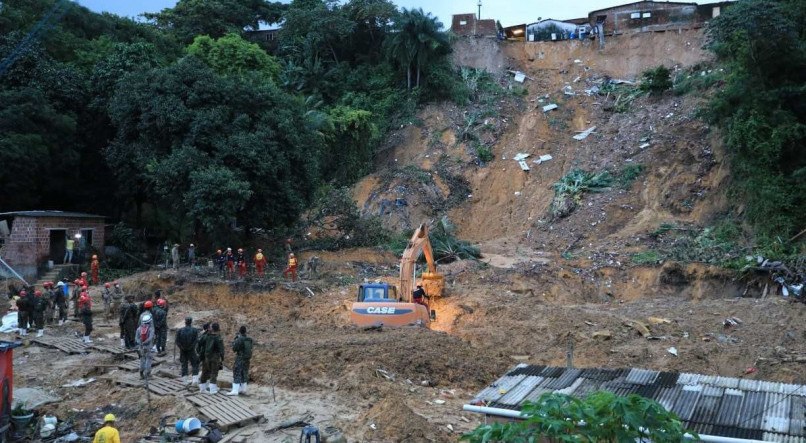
{"x": 228, "y": 261}
{"x": 36, "y": 308}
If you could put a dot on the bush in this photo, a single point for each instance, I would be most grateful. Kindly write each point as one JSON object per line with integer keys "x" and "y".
{"x": 484, "y": 153}
{"x": 646, "y": 258}
{"x": 570, "y": 189}
{"x": 656, "y": 81}
{"x": 629, "y": 173}
{"x": 599, "y": 417}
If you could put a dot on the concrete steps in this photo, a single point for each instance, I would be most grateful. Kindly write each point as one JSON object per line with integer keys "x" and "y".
{"x": 52, "y": 275}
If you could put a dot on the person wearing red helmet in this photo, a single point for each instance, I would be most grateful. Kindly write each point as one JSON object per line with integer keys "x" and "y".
{"x": 85, "y": 309}
{"x": 240, "y": 258}
{"x": 117, "y": 298}
{"x": 95, "y": 268}
{"x": 160, "y": 325}
{"x": 40, "y": 304}
{"x": 230, "y": 260}
{"x": 82, "y": 281}
{"x": 260, "y": 262}
{"x": 106, "y": 296}
{"x": 292, "y": 267}
{"x": 22, "y": 313}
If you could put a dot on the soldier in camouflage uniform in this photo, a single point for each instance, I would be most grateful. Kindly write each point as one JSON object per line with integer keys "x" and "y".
{"x": 128, "y": 322}
{"x": 213, "y": 356}
{"x": 242, "y": 346}
{"x": 186, "y": 340}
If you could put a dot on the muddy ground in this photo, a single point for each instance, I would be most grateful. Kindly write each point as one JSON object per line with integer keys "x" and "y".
{"x": 543, "y": 284}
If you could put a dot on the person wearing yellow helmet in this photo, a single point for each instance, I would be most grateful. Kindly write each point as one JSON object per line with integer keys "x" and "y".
{"x": 107, "y": 434}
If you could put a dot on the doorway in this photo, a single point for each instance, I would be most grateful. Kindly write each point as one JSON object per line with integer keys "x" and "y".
{"x": 58, "y": 237}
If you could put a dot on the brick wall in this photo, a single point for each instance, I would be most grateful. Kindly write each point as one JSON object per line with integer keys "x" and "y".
{"x": 28, "y": 246}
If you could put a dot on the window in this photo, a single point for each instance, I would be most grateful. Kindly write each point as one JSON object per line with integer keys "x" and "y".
{"x": 646, "y": 15}
{"x": 715, "y": 11}
{"x": 462, "y": 22}
{"x": 635, "y": 15}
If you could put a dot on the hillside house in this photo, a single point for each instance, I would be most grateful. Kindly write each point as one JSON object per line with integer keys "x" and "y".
{"x": 550, "y": 30}
{"x": 648, "y": 16}
{"x": 29, "y": 239}
{"x": 466, "y": 25}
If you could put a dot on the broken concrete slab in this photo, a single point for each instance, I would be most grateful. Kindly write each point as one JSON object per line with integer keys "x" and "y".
{"x": 549, "y": 107}
{"x": 542, "y": 158}
{"x": 521, "y": 156}
{"x": 568, "y": 90}
{"x": 523, "y": 165}
{"x": 658, "y": 320}
{"x": 638, "y": 326}
{"x": 32, "y": 398}
{"x": 584, "y": 134}
{"x": 602, "y": 335}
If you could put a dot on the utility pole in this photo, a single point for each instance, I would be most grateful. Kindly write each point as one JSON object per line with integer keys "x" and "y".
{"x": 479, "y": 10}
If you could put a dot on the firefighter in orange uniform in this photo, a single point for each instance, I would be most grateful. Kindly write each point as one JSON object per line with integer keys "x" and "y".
{"x": 260, "y": 262}
{"x": 292, "y": 267}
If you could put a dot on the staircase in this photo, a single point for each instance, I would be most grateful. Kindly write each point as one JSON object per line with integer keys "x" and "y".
{"x": 53, "y": 274}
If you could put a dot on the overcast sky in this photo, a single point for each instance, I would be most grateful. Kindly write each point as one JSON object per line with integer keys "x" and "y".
{"x": 509, "y": 12}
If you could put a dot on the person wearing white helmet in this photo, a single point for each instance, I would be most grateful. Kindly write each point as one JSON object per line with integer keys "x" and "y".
{"x": 144, "y": 337}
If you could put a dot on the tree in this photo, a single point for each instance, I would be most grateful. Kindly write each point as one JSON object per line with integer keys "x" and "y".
{"x": 350, "y": 153}
{"x": 232, "y": 55}
{"x": 181, "y": 127}
{"x": 417, "y": 40}
{"x": 600, "y": 417}
{"x": 215, "y": 18}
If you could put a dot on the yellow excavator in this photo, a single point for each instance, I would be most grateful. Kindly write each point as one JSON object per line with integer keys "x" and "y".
{"x": 389, "y": 305}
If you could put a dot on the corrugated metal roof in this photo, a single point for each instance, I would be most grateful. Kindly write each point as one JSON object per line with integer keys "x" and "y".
{"x": 707, "y": 404}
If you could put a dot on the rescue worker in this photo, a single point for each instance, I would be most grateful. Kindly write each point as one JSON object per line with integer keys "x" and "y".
{"x": 186, "y": 340}
{"x": 145, "y": 343}
{"x": 30, "y": 307}
{"x": 240, "y": 259}
{"x": 22, "y": 313}
{"x": 40, "y": 305}
{"x": 85, "y": 309}
{"x": 95, "y": 267}
{"x": 106, "y": 296}
{"x": 260, "y": 262}
{"x": 147, "y": 308}
{"x": 420, "y": 296}
{"x": 82, "y": 281}
{"x": 60, "y": 301}
{"x": 74, "y": 297}
{"x": 128, "y": 322}
{"x": 220, "y": 261}
{"x": 242, "y": 346}
{"x": 69, "y": 244}
{"x": 175, "y": 255}
{"x": 160, "y": 325}
{"x": 49, "y": 295}
{"x": 200, "y": 344}
{"x": 108, "y": 433}
{"x": 213, "y": 356}
{"x": 192, "y": 256}
{"x": 230, "y": 264}
{"x": 292, "y": 267}
{"x": 117, "y": 298}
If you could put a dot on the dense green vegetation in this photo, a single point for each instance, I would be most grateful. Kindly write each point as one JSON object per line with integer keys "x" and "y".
{"x": 599, "y": 417}
{"x": 762, "y": 109}
{"x": 182, "y": 126}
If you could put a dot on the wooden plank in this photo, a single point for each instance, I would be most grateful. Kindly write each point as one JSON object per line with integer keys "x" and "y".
{"x": 64, "y": 344}
{"x": 223, "y": 413}
{"x": 112, "y": 349}
{"x": 229, "y": 413}
{"x": 134, "y": 365}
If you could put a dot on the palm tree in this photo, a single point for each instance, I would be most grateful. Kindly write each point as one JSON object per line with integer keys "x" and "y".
{"x": 416, "y": 40}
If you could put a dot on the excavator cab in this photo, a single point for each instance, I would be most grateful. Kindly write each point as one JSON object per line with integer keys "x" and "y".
{"x": 378, "y": 304}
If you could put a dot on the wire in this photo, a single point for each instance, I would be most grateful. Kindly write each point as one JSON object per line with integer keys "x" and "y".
{"x": 54, "y": 14}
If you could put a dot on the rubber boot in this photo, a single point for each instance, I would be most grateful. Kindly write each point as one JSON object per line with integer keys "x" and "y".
{"x": 195, "y": 380}
{"x": 87, "y": 340}
{"x": 203, "y": 387}
{"x": 213, "y": 388}
{"x": 236, "y": 387}
{"x": 40, "y": 332}
{"x": 122, "y": 343}
{"x": 23, "y": 332}
{"x": 243, "y": 388}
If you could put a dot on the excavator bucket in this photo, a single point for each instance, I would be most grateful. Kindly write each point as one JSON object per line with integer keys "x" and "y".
{"x": 433, "y": 283}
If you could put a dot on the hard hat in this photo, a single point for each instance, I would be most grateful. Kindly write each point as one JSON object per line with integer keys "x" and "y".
{"x": 76, "y": 281}
{"x": 191, "y": 245}
{"x": 218, "y": 252}
{"x": 84, "y": 287}
{"x": 38, "y": 293}
{"x": 23, "y": 293}
{"x": 240, "y": 250}
{"x": 148, "y": 304}
{"x": 146, "y": 318}
{"x": 291, "y": 254}
{"x": 259, "y": 250}
{"x": 161, "y": 303}
{"x": 107, "y": 285}
{"x": 109, "y": 417}
{"x": 229, "y": 249}
{"x": 83, "y": 274}
{"x": 116, "y": 283}
{"x": 94, "y": 257}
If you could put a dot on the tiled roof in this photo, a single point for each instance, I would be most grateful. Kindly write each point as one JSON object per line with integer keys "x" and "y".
{"x": 707, "y": 404}
{"x": 51, "y": 214}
